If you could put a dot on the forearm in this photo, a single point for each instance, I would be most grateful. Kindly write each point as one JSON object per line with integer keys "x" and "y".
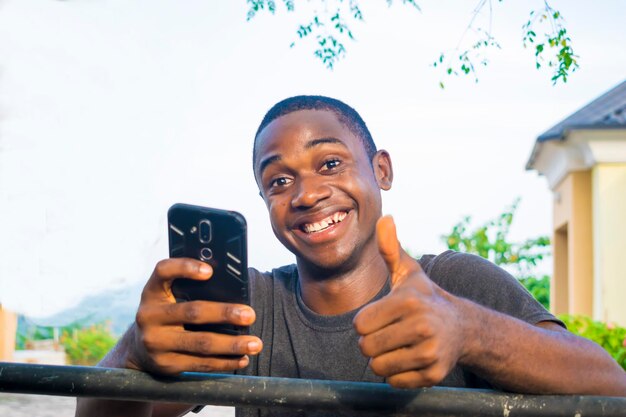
{"x": 543, "y": 359}
{"x": 93, "y": 407}
{"x": 118, "y": 357}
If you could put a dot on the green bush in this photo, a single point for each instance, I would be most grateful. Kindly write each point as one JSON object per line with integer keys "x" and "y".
{"x": 86, "y": 346}
{"x": 539, "y": 288}
{"x": 28, "y": 332}
{"x": 611, "y": 337}
{"x": 491, "y": 241}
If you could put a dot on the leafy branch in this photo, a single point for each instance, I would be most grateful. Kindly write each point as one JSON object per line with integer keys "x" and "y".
{"x": 491, "y": 241}
{"x": 331, "y": 24}
{"x": 465, "y": 60}
{"x": 563, "y": 59}
{"x": 329, "y": 28}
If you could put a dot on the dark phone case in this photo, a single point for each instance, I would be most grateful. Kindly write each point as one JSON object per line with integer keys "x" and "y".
{"x": 229, "y": 282}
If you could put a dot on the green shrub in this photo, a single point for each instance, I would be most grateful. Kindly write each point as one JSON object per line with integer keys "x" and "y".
{"x": 491, "y": 241}
{"x": 611, "y": 337}
{"x": 539, "y": 288}
{"x": 86, "y": 346}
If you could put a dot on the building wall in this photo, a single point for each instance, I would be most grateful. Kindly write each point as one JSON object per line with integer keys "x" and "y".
{"x": 572, "y": 281}
{"x": 8, "y": 327}
{"x": 609, "y": 239}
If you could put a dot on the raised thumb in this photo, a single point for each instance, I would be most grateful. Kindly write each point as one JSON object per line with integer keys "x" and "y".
{"x": 389, "y": 247}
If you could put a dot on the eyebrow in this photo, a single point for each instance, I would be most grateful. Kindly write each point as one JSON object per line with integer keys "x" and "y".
{"x": 316, "y": 142}
{"x": 310, "y": 144}
{"x": 268, "y": 161}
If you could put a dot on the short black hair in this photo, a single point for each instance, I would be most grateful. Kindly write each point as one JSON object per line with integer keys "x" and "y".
{"x": 346, "y": 115}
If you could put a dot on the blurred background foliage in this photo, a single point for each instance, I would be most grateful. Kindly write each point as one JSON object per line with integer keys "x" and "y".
{"x": 491, "y": 241}
{"x": 84, "y": 344}
{"x": 87, "y": 345}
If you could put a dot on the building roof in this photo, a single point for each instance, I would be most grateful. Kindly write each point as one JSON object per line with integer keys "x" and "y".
{"x": 607, "y": 111}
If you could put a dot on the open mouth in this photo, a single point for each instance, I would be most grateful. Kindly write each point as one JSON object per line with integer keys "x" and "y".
{"x": 324, "y": 224}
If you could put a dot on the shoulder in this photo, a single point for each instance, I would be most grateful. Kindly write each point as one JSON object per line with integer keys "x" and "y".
{"x": 467, "y": 275}
{"x": 452, "y": 268}
{"x": 453, "y": 260}
{"x": 479, "y": 280}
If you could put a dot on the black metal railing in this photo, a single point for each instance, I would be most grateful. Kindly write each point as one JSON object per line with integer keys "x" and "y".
{"x": 295, "y": 394}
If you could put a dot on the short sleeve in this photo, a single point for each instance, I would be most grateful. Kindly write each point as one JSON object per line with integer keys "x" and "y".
{"x": 477, "y": 279}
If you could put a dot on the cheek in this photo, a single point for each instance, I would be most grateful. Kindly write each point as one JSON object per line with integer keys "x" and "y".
{"x": 277, "y": 208}
{"x": 364, "y": 188}
{"x": 277, "y": 213}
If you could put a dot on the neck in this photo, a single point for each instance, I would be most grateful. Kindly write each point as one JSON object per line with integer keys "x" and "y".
{"x": 338, "y": 291}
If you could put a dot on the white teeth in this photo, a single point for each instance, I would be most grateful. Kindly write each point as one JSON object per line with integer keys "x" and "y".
{"x": 323, "y": 224}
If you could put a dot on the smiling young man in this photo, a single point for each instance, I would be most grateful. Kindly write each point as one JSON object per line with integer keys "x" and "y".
{"x": 355, "y": 306}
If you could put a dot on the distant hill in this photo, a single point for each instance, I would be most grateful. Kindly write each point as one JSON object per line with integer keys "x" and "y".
{"x": 118, "y": 306}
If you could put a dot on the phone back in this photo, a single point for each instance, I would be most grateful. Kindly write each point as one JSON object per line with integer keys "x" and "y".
{"x": 217, "y": 237}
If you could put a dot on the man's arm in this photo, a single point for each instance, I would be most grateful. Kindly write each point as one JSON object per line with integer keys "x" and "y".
{"x": 117, "y": 358}
{"x": 158, "y": 343}
{"x": 541, "y": 359}
{"x": 419, "y": 332}
{"x": 93, "y": 407}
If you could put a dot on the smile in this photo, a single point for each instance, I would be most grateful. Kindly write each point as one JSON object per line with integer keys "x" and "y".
{"x": 324, "y": 223}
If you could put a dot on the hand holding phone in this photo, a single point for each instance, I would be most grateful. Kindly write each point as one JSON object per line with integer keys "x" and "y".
{"x": 158, "y": 342}
{"x": 216, "y": 300}
{"x": 216, "y": 237}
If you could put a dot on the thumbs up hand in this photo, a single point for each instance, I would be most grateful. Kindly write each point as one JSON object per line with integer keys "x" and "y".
{"x": 414, "y": 335}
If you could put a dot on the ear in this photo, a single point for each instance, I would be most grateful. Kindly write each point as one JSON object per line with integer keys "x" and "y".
{"x": 383, "y": 171}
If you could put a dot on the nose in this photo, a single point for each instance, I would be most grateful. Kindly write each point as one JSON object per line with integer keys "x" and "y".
{"x": 309, "y": 191}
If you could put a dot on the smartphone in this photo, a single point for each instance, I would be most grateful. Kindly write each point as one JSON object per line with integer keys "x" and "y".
{"x": 217, "y": 237}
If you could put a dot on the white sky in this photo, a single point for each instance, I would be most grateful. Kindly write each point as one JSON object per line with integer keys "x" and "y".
{"x": 112, "y": 110}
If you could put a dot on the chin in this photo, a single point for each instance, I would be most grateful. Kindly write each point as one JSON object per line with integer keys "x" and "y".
{"x": 339, "y": 262}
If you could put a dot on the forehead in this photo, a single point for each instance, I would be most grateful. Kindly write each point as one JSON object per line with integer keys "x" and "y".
{"x": 293, "y": 131}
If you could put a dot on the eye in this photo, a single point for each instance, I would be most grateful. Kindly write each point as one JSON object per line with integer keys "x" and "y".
{"x": 280, "y": 182}
{"x": 330, "y": 164}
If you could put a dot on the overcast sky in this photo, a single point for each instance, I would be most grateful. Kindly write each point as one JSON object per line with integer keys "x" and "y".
{"x": 112, "y": 110}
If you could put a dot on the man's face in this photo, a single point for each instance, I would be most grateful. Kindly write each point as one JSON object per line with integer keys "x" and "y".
{"x": 319, "y": 186}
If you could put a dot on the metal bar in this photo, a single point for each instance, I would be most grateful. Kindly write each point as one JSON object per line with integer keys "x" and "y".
{"x": 296, "y": 394}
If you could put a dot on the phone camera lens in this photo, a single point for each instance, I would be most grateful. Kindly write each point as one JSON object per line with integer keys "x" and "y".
{"x": 206, "y": 254}
{"x": 205, "y": 231}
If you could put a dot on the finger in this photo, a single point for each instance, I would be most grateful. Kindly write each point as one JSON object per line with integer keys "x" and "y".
{"x": 406, "y": 359}
{"x": 388, "y": 244}
{"x": 398, "y": 262}
{"x": 203, "y": 343}
{"x": 377, "y": 315}
{"x": 196, "y": 312}
{"x": 394, "y": 336}
{"x": 174, "y": 363}
{"x": 168, "y": 270}
{"x": 214, "y": 344}
{"x": 403, "y": 302}
{"x": 426, "y": 377}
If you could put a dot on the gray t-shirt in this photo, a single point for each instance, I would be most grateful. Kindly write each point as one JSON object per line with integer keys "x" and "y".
{"x": 298, "y": 343}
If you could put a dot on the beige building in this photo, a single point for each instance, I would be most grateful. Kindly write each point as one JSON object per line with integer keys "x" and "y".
{"x": 8, "y": 327}
{"x": 584, "y": 161}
